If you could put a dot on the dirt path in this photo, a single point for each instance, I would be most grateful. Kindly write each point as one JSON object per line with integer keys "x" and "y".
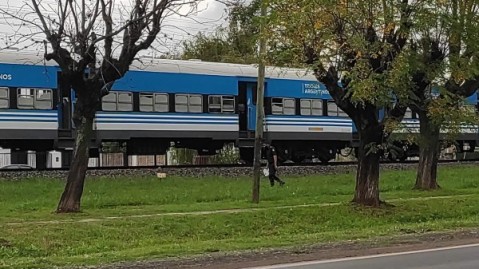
{"x": 211, "y": 212}
{"x": 380, "y": 245}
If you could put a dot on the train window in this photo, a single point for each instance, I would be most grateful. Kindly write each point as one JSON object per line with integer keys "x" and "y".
{"x": 161, "y": 102}
{"x": 189, "y": 103}
{"x": 118, "y": 101}
{"x": 214, "y": 104}
{"x": 4, "y": 100}
{"x": 124, "y": 97}
{"x": 43, "y": 99}
{"x": 311, "y": 107}
{"x": 306, "y": 107}
{"x": 25, "y": 98}
{"x": 221, "y": 104}
{"x": 283, "y": 106}
{"x": 195, "y": 104}
{"x": 289, "y": 106}
{"x": 181, "y": 103}
{"x": 277, "y": 106}
{"x": 34, "y": 99}
{"x": 146, "y": 102}
{"x": 110, "y": 97}
{"x": 109, "y": 102}
{"x": 157, "y": 102}
{"x": 228, "y": 103}
{"x": 334, "y": 110}
{"x": 125, "y": 101}
{"x": 317, "y": 108}
{"x": 408, "y": 114}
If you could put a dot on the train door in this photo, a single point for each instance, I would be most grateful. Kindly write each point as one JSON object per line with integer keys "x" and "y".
{"x": 247, "y": 108}
{"x": 251, "y": 103}
{"x": 66, "y": 110}
{"x": 65, "y": 140}
{"x": 64, "y": 106}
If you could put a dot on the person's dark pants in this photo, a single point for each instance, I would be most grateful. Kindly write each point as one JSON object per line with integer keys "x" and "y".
{"x": 272, "y": 176}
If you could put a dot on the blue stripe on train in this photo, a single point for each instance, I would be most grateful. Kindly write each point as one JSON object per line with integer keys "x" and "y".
{"x": 28, "y": 115}
{"x": 310, "y": 121}
{"x": 165, "y": 117}
{"x": 131, "y": 113}
{"x": 213, "y": 123}
{"x": 312, "y": 124}
{"x": 307, "y": 117}
{"x": 169, "y": 122}
{"x": 29, "y": 120}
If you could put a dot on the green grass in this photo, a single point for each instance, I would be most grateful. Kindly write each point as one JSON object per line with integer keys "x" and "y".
{"x": 27, "y": 243}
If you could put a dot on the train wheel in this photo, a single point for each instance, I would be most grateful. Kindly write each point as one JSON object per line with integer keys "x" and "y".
{"x": 324, "y": 160}
{"x": 247, "y": 155}
{"x": 298, "y": 159}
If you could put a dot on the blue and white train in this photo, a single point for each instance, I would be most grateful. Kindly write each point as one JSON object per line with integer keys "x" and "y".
{"x": 193, "y": 104}
{"x": 465, "y": 141}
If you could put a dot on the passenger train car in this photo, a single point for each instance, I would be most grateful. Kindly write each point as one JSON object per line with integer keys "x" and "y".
{"x": 465, "y": 141}
{"x": 28, "y": 106}
{"x": 192, "y": 104}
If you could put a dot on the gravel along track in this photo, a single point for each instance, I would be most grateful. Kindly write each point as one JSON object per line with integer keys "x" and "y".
{"x": 198, "y": 172}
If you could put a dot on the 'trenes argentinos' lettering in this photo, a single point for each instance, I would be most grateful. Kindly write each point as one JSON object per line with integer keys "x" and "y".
{"x": 5, "y": 76}
{"x": 314, "y": 89}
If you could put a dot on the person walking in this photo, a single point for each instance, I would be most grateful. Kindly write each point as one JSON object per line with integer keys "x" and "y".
{"x": 272, "y": 158}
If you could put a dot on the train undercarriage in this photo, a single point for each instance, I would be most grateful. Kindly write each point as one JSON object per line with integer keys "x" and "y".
{"x": 302, "y": 151}
{"x": 289, "y": 151}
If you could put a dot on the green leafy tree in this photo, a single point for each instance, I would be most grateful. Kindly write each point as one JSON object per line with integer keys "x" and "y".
{"x": 445, "y": 71}
{"x": 213, "y": 48}
{"x": 238, "y": 42}
{"x": 358, "y": 50}
{"x": 243, "y": 30}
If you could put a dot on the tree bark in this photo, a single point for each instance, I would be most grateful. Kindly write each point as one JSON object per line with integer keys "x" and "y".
{"x": 71, "y": 197}
{"x": 367, "y": 177}
{"x": 426, "y": 178}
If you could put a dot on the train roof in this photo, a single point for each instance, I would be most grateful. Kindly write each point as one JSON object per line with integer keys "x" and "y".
{"x": 15, "y": 57}
{"x": 221, "y": 69}
{"x": 176, "y": 66}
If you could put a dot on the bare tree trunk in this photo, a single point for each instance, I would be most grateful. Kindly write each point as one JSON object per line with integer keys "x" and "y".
{"x": 367, "y": 177}
{"x": 71, "y": 197}
{"x": 95, "y": 61}
{"x": 426, "y": 178}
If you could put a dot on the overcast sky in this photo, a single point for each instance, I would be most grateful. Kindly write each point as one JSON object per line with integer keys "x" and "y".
{"x": 209, "y": 16}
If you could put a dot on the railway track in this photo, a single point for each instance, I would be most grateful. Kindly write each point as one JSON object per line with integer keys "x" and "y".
{"x": 102, "y": 170}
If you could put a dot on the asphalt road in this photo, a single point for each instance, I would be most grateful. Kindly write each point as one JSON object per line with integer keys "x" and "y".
{"x": 459, "y": 257}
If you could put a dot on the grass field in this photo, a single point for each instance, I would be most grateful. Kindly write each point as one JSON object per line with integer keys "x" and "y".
{"x": 127, "y": 219}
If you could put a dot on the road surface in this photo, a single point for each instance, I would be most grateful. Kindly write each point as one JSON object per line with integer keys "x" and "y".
{"x": 458, "y": 257}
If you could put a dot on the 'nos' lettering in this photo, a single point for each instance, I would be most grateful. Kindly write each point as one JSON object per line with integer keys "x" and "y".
{"x": 5, "y": 77}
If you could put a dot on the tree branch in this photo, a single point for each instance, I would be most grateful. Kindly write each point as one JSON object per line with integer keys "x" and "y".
{"x": 45, "y": 28}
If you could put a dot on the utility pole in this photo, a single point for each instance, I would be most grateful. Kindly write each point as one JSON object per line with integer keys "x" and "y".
{"x": 258, "y": 139}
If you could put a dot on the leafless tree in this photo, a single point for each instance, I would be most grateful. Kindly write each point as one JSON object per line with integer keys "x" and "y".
{"x": 94, "y": 42}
